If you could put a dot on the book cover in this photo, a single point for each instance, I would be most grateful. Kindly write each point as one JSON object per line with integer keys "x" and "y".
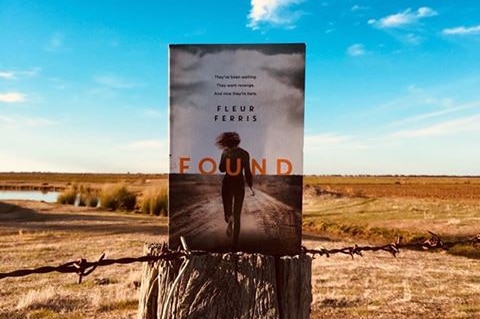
{"x": 236, "y": 147}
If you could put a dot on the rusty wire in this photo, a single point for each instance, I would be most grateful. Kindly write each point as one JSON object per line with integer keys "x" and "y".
{"x": 83, "y": 268}
{"x": 434, "y": 242}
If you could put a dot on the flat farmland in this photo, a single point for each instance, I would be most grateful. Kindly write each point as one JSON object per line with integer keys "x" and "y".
{"x": 337, "y": 212}
{"x": 377, "y": 210}
{"x": 423, "y": 187}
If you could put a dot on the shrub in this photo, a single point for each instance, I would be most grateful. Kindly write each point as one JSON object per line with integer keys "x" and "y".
{"x": 81, "y": 200}
{"x": 68, "y": 196}
{"x": 88, "y": 197}
{"x": 92, "y": 201}
{"x": 155, "y": 201}
{"x": 81, "y": 195}
{"x": 117, "y": 197}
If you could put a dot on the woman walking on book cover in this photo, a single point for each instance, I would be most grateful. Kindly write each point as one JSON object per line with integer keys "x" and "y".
{"x": 235, "y": 163}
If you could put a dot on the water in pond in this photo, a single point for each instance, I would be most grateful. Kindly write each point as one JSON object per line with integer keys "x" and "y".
{"x": 49, "y": 197}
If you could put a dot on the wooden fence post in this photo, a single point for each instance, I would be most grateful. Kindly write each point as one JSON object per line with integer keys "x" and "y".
{"x": 223, "y": 286}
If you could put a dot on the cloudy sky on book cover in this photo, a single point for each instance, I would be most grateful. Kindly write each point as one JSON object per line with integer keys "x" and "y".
{"x": 255, "y": 90}
{"x": 257, "y": 93}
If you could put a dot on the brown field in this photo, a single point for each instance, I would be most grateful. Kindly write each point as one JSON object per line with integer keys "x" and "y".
{"x": 34, "y": 234}
{"x": 416, "y": 284}
{"x": 60, "y": 181}
{"x": 455, "y": 188}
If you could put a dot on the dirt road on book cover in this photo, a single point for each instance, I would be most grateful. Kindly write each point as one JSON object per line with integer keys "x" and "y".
{"x": 267, "y": 224}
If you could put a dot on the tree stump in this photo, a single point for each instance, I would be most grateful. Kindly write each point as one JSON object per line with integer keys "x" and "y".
{"x": 225, "y": 286}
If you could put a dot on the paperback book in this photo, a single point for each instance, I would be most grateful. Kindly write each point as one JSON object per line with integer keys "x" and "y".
{"x": 236, "y": 147}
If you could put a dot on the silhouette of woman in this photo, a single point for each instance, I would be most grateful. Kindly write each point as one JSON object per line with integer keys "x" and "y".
{"x": 235, "y": 163}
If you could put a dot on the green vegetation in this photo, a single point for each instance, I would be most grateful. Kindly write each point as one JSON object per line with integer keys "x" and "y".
{"x": 155, "y": 201}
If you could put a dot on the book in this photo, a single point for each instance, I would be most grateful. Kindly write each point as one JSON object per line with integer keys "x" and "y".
{"x": 236, "y": 146}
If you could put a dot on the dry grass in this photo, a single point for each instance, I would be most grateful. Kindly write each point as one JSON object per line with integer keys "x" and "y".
{"x": 454, "y": 188}
{"x": 383, "y": 219}
{"x": 414, "y": 285}
{"x": 117, "y": 197}
{"x": 51, "y": 234}
{"x": 68, "y": 196}
{"x": 417, "y": 284}
{"x": 155, "y": 200}
{"x": 52, "y": 178}
{"x": 51, "y": 298}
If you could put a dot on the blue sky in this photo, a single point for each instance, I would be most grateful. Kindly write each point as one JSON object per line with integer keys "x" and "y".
{"x": 392, "y": 87}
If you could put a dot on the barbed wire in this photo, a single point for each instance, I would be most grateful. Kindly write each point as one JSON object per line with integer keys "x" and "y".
{"x": 83, "y": 268}
{"x": 434, "y": 242}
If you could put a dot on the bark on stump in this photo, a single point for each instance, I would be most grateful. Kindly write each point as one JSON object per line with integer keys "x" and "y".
{"x": 222, "y": 286}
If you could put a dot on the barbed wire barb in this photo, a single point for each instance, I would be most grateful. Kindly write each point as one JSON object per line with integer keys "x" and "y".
{"x": 83, "y": 268}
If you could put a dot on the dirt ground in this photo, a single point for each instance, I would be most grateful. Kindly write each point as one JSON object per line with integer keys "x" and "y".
{"x": 416, "y": 284}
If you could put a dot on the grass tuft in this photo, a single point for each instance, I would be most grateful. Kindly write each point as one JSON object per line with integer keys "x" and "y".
{"x": 117, "y": 197}
{"x": 88, "y": 197}
{"x": 68, "y": 196}
{"x": 79, "y": 194}
{"x": 155, "y": 201}
{"x": 47, "y": 298}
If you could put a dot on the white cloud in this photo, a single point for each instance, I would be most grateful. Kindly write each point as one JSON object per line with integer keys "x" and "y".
{"x": 414, "y": 89}
{"x": 462, "y": 30}
{"x": 464, "y": 124}
{"x": 402, "y": 19}
{"x": 448, "y": 109}
{"x": 22, "y": 122}
{"x": 412, "y": 39}
{"x": 55, "y": 43}
{"x": 426, "y": 12}
{"x": 358, "y": 8}
{"x": 396, "y": 20}
{"x": 114, "y": 82}
{"x": 12, "y": 97}
{"x": 14, "y": 74}
{"x": 7, "y": 75}
{"x": 30, "y": 73}
{"x": 356, "y": 49}
{"x": 273, "y": 12}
